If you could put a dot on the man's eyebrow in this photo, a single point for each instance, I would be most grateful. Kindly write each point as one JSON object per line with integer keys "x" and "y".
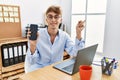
{"x": 53, "y": 15}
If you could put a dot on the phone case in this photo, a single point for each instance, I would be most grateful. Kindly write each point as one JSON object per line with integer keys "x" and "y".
{"x": 33, "y": 29}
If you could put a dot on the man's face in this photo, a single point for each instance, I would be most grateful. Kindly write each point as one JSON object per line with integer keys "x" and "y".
{"x": 53, "y": 20}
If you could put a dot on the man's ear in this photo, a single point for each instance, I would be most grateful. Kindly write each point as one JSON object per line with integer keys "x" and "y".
{"x": 46, "y": 22}
{"x": 61, "y": 20}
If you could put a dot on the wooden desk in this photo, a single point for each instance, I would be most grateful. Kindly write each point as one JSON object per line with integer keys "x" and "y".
{"x": 49, "y": 73}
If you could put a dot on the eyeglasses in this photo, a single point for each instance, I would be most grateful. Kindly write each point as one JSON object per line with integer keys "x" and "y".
{"x": 56, "y": 17}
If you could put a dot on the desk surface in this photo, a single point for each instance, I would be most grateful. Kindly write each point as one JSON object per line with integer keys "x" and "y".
{"x": 49, "y": 73}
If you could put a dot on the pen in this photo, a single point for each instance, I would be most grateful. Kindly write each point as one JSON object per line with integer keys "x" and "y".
{"x": 102, "y": 65}
{"x": 115, "y": 65}
{"x": 106, "y": 64}
{"x": 109, "y": 67}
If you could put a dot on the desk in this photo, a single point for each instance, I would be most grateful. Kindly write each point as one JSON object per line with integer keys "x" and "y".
{"x": 49, "y": 73}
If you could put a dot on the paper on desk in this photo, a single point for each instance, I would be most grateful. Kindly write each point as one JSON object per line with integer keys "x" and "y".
{"x": 97, "y": 63}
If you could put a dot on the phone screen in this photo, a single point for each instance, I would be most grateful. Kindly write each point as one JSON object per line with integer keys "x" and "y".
{"x": 33, "y": 29}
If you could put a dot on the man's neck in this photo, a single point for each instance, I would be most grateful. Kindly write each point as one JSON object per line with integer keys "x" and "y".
{"x": 53, "y": 32}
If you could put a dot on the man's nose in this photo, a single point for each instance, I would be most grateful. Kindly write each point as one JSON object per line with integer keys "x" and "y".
{"x": 53, "y": 19}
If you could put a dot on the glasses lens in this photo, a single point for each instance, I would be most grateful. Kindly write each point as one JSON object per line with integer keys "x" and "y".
{"x": 50, "y": 17}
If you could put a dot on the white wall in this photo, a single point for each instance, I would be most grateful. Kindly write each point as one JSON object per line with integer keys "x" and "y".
{"x": 112, "y": 30}
{"x": 32, "y": 11}
{"x": 67, "y": 10}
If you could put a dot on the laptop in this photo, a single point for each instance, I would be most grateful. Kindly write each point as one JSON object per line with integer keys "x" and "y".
{"x": 84, "y": 57}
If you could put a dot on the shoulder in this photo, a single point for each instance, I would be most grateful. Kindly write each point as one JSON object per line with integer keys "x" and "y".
{"x": 63, "y": 33}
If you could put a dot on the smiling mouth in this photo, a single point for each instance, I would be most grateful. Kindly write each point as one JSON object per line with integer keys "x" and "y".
{"x": 53, "y": 24}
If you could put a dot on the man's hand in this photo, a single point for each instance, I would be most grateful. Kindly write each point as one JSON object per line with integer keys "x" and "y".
{"x": 79, "y": 28}
{"x": 32, "y": 42}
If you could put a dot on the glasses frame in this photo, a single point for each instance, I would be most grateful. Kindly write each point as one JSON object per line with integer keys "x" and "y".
{"x": 56, "y": 17}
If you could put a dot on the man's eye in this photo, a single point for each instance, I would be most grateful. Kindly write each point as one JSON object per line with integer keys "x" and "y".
{"x": 56, "y": 17}
{"x": 50, "y": 17}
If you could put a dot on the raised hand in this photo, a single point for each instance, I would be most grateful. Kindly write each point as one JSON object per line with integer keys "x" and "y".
{"x": 32, "y": 42}
{"x": 79, "y": 28}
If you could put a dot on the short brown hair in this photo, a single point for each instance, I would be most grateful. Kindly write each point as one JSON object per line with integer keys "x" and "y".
{"x": 55, "y": 9}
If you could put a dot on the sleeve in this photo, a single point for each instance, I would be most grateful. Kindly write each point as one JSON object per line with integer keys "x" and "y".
{"x": 79, "y": 44}
{"x": 31, "y": 59}
{"x": 72, "y": 47}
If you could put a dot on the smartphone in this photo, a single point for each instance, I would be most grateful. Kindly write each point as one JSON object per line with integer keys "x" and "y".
{"x": 33, "y": 29}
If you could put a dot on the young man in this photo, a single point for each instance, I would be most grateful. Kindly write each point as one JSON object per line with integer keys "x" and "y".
{"x": 51, "y": 42}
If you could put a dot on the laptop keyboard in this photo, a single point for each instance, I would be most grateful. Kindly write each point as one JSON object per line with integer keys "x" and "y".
{"x": 69, "y": 68}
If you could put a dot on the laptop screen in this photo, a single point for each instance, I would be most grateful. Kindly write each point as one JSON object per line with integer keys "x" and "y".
{"x": 85, "y": 56}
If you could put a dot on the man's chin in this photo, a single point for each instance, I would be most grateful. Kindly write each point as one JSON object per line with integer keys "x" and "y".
{"x": 54, "y": 28}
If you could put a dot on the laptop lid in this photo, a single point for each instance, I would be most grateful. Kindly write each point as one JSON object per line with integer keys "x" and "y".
{"x": 84, "y": 57}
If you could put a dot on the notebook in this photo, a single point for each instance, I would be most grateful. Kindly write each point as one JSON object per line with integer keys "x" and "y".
{"x": 84, "y": 56}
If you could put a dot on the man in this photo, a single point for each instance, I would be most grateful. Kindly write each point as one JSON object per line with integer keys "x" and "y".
{"x": 51, "y": 42}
